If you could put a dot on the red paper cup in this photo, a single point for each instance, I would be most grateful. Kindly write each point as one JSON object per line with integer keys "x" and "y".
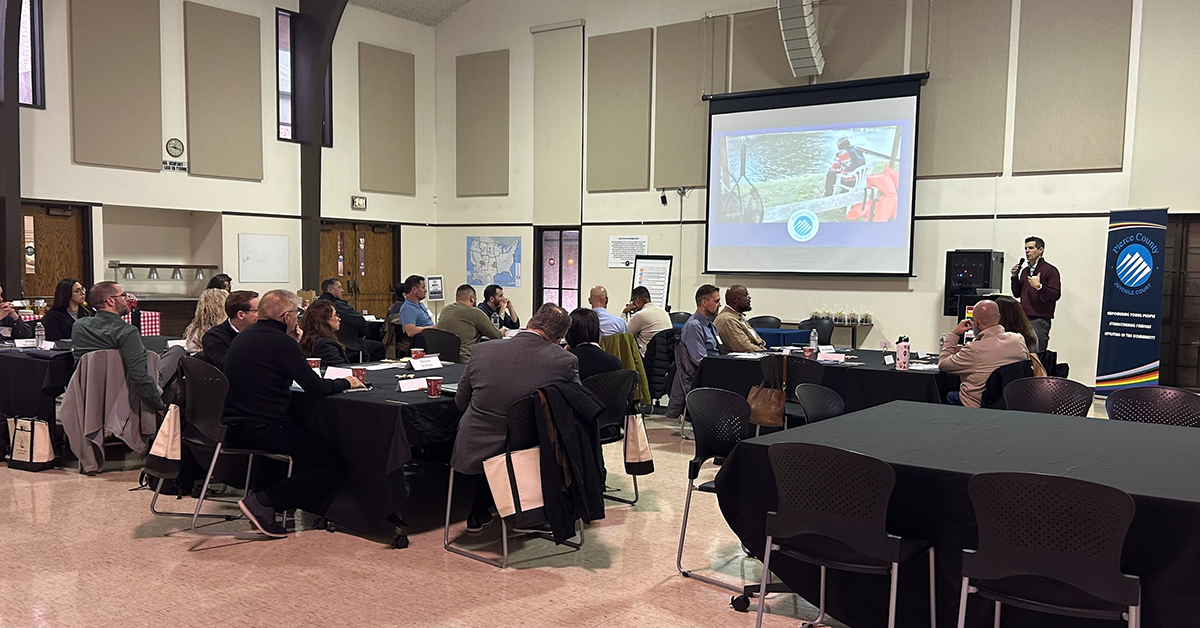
{"x": 808, "y": 353}
{"x": 360, "y": 373}
{"x": 434, "y": 385}
{"x": 314, "y": 363}
{"x": 418, "y": 353}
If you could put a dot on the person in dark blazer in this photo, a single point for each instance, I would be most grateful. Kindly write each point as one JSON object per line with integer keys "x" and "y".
{"x": 332, "y": 291}
{"x": 499, "y": 373}
{"x": 583, "y": 338}
{"x": 320, "y": 325}
{"x": 69, "y": 304}
{"x": 242, "y": 310}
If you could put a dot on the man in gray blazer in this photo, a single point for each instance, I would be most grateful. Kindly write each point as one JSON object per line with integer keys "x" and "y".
{"x": 501, "y": 372}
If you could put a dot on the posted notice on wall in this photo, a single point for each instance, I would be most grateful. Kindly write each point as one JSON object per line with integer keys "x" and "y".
{"x": 654, "y": 272}
{"x": 623, "y": 250}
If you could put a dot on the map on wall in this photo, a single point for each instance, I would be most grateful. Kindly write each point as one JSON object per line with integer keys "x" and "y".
{"x": 494, "y": 260}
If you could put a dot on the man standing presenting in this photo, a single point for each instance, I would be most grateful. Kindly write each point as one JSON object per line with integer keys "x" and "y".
{"x": 464, "y": 320}
{"x": 645, "y": 318}
{"x": 699, "y": 340}
{"x": 731, "y": 322}
{"x": 499, "y": 308}
{"x": 609, "y": 324}
{"x": 107, "y": 330}
{"x": 1038, "y": 287}
{"x": 993, "y": 347}
{"x": 242, "y": 309}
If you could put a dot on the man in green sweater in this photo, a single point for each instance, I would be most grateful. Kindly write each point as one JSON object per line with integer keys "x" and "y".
{"x": 107, "y": 330}
{"x": 466, "y": 321}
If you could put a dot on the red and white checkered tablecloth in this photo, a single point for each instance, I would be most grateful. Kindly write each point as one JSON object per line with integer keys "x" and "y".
{"x": 151, "y": 322}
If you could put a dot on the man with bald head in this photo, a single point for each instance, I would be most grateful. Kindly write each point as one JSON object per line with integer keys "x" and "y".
{"x": 736, "y": 333}
{"x": 973, "y": 363}
{"x": 609, "y": 324}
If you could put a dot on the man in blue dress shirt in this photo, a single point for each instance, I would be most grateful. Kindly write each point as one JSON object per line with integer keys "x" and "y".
{"x": 609, "y": 324}
{"x": 414, "y": 316}
{"x": 699, "y": 337}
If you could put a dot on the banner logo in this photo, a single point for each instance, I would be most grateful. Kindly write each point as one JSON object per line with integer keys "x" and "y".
{"x": 803, "y": 225}
{"x": 1135, "y": 266}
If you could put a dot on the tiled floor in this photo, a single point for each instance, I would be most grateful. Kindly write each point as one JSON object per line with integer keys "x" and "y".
{"x": 85, "y": 551}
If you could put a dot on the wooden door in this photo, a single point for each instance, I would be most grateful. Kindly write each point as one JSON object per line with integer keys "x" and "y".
{"x": 1180, "y": 365}
{"x": 365, "y": 267}
{"x": 58, "y": 247}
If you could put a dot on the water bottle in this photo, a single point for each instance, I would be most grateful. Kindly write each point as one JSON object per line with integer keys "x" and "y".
{"x": 902, "y": 353}
{"x": 39, "y": 332}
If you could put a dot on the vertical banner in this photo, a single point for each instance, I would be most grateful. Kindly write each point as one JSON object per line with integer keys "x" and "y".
{"x": 1131, "y": 319}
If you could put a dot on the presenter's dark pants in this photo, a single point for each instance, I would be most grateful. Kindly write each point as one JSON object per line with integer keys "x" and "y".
{"x": 1041, "y": 327}
{"x": 316, "y": 471}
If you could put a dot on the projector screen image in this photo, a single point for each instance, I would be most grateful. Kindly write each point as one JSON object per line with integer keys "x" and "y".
{"x": 815, "y": 189}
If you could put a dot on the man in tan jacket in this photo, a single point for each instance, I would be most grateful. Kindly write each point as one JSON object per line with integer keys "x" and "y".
{"x": 973, "y": 363}
{"x": 731, "y": 323}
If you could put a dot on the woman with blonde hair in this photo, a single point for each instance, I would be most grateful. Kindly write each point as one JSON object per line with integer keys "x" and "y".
{"x": 210, "y": 312}
{"x": 320, "y": 326}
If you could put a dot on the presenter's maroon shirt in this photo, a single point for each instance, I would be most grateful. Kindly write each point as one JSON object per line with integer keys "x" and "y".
{"x": 1038, "y": 303}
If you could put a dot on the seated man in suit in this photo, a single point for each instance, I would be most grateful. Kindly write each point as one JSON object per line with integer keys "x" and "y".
{"x": 466, "y": 321}
{"x": 699, "y": 340}
{"x": 107, "y": 330}
{"x": 261, "y": 365}
{"x": 331, "y": 290}
{"x": 973, "y": 363}
{"x": 499, "y": 374}
{"x": 645, "y": 318}
{"x": 242, "y": 309}
{"x": 731, "y": 323}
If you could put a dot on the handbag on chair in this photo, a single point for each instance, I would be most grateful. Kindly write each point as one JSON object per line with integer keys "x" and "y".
{"x": 766, "y": 402}
{"x": 638, "y": 459}
{"x": 515, "y": 478}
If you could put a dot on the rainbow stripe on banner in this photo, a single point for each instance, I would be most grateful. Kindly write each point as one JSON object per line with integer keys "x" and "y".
{"x": 1134, "y": 225}
{"x": 1142, "y": 376}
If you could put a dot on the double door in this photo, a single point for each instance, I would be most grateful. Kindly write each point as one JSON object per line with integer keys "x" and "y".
{"x": 52, "y": 239}
{"x": 360, "y": 255}
{"x": 1180, "y": 350}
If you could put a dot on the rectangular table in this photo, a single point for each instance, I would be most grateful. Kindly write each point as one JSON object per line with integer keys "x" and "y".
{"x": 870, "y": 384}
{"x": 935, "y": 450}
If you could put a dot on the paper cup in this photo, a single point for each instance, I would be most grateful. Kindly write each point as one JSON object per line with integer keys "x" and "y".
{"x": 360, "y": 373}
{"x": 434, "y": 385}
{"x": 418, "y": 353}
{"x": 808, "y": 353}
{"x": 314, "y": 363}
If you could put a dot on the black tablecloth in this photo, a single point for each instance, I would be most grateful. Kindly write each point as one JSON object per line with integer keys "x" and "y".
{"x": 29, "y": 383}
{"x": 935, "y": 449}
{"x": 375, "y": 437}
{"x": 870, "y": 384}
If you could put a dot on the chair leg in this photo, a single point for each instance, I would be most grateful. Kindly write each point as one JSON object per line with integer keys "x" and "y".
{"x": 622, "y": 500}
{"x": 687, "y": 504}
{"x": 820, "y": 600}
{"x": 462, "y": 552}
{"x": 996, "y": 622}
{"x": 766, "y": 576}
{"x": 204, "y": 490}
{"x": 932, "y": 590}
{"x": 962, "y": 602}
{"x": 892, "y": 595}
{"x": 167, "y": 513}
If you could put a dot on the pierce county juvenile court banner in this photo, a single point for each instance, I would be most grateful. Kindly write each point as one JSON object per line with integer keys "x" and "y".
{"x": 1131, "y": 319}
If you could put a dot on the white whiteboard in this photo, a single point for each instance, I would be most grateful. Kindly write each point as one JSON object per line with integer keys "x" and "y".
{"x": 263, "y": 258}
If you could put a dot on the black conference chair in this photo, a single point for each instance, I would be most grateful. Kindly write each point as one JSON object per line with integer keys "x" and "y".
{"x": 348, "y": 336}
{"x": 765, "y": 322}
{"x": 680, "y": 317}
{"x": 522, "y": 434}
{"x": 799, "y": 371}
{"x": 204, "y": 432}
{"x": 1050, "y": 544}
{"x": 993, "y": 390}
{"x": 615, "y": 390}
{"x": 833, "y": 513}
{"x": 1048, "y": 395}
{"x": 1154, "y": 404}
{"x": 720, "y": 420}
{"x": 819, "y": 403}
{"x": 823, "y": 326}
{"x": 445, "y": 344}
{"x": 658, "y": 361}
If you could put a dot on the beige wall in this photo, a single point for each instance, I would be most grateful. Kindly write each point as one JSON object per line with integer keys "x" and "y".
{"x": 144, "y": 235}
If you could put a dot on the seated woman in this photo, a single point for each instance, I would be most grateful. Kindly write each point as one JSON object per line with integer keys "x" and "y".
{"x": 221, "y": 281}
{"x": 1012, "y": 318}
{"x": 69, "y": 304}
{"x": 210, "y": 312}
{"x": 320, "y": 325}
{"x": 583, "y": 338}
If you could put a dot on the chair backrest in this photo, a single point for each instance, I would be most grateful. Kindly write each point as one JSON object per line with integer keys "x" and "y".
{"x": 680, "y": 317}
{"x": 1154, "y": 404}
{"x": 833, "y": 493}
{"x": 348, "y": 336}
{"x": 1051, "y": 526}
{"x": 720, "y": 420}
{"x": 823, "y": 326}
{"x": 615, "y": 390}
{"x": 522, "y": 423}
{"x": 765, "y": 322}
{"x": 819, "y": 402}
{"x": 993, "y": 390}
{"x": 660, "y": 358}
{"x": 1049, "y": 395}
{"x": 799, "y": 371}
{"x": 205, "y": 388}
{"x": 443, "y": 343}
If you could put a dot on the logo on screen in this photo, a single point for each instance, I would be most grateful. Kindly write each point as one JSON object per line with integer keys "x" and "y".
{"x": 803, "y": 225}
{"x": 1134, "y": 265}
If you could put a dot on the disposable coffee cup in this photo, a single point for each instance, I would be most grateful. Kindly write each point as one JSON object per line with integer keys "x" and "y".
{"x": 314, "y": 363}
{"x": 418, "y": 353}
{"x": 434, "y": 385}
{"x": 808, "y": 353}
{"x": 360, "y": 373}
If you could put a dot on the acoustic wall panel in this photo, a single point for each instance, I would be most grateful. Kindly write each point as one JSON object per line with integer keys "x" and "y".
{"x": 481, "y": 123}
{"x": 759, "y": 57}
{"x": 618, "y": 133}
{"x": 1072, "y": 73}
{"x": 224, "y": 92}
{"x": 862, "y": 38}
{"x": 961, "y": 125}
{"x": 116, "y": 83}
{"x": 558, "y": 126}
{"x": 687, "y": 67}
{"x": 387, "y": 147}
